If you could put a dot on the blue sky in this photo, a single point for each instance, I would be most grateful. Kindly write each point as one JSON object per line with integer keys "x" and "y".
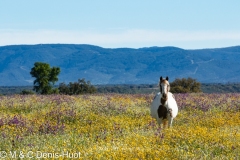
{"x": 186, "y": 24}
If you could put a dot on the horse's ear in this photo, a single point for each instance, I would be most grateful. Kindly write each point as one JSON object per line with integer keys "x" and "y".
{"x": 160, "y": 78}
{"x": 167, "y": 78}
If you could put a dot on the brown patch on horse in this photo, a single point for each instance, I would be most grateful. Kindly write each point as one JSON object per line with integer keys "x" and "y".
{"x": 162, "y": 112}
{"x": 163, "y": 100}
{"x": 164, "y": 81}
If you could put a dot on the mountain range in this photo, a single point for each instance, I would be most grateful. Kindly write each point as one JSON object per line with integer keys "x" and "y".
{"x": 119, "y": 65}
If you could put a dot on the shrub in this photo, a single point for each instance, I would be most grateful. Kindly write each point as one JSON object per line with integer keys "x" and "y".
{"x": 184, "y": 85}
{"x": 80, "y": 87}
{"x": 26, "y": 92}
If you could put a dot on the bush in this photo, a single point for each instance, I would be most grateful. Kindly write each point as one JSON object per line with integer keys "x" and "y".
{"x": 26, "y": 92}
{"x": 184, "y": 85}
{"x": 80, "y": 87}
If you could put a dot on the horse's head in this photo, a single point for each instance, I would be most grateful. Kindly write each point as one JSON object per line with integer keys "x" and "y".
{"x": 164, "y": 86}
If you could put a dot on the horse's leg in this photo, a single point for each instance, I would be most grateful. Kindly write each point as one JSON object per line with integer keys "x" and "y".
{"x": 159, "y": 120}
{"x": 170, "y": 112}
{"x": 165, "y": 122}
{"x": 170, "y": 120}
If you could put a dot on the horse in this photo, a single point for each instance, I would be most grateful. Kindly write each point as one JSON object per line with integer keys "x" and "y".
{"x": 164, "y": 106}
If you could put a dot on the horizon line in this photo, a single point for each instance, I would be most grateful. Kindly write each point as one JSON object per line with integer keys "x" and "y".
{"x": 118, "y": 47}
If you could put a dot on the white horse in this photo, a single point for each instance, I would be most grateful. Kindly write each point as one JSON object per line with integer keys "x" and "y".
{"x": 164, "y": 106}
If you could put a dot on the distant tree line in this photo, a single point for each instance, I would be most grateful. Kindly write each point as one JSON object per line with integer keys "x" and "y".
{"x": 221, "y": 87}
{"x": 127, "y": 88}
{"x": 130, "y": 89}
{"x": 9, "y": 90}
{"x": 46, "y": 77}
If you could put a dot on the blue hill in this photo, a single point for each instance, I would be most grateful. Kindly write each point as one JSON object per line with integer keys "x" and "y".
{"x": 120, "y": 65}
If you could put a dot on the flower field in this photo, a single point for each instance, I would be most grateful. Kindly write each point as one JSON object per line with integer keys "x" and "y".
{"x": 115, "y": 126}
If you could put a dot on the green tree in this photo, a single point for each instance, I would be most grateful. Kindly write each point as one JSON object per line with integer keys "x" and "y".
{"x": 45, "y": 77}
{"x": 184, "y": 85}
